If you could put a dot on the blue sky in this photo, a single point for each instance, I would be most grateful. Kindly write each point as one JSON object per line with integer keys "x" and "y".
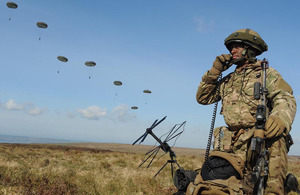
{"x": 164, "y": 46}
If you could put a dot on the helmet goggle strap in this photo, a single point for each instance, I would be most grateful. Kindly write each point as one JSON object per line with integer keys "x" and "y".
{"x": 245, "y": 50}
{"x": 251, "y": 54}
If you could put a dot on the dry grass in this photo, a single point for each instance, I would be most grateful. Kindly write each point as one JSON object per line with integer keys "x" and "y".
{"x": 91, "y": 169}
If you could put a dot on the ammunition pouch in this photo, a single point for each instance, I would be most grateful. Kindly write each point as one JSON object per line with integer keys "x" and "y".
{"x": 222, "y": 139}
{"x": 288, "y": 141}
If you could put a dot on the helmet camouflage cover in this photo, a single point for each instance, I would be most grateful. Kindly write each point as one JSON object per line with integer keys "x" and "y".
{"x": 248, "y": 37}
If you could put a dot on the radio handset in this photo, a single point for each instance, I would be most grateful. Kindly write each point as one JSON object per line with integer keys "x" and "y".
{"x": 228, "y": 63}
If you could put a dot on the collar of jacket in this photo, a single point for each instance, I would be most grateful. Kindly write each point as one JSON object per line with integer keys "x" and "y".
{"x": 254, "y": 66}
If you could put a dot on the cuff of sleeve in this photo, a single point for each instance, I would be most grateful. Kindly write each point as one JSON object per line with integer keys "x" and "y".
{"x": 210, "y": 77}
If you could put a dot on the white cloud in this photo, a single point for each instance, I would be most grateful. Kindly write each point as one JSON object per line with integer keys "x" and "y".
{"x": 35, "y": 111}
{"x": 12, "y": 105}
{"x": 92, "y": 112}
{"x": 204, "y": 26}
{"x": 121, "y": 113}
{"x": 28, "y": 108}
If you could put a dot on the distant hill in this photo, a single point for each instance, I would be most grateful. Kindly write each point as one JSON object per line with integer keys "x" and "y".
{"x": 27, "y": 140}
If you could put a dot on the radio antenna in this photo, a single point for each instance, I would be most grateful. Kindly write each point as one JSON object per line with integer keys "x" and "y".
{"x": 175, "y": 132}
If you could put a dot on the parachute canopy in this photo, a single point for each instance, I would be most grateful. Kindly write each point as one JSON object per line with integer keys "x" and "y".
{"x": 90, "y": 63}
{"x": 134, "y": 107}
{"x": 42, "y": 25}
{"x": 147, "y": 91}
{"x": 62, "y": 58}
{"x": 12, "y": 5}
{"x": 118, "y": 83}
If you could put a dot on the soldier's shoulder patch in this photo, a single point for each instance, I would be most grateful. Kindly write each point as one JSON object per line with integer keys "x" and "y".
{"x": 282, "y": 84}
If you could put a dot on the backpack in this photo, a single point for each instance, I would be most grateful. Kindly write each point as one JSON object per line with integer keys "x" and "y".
{"x": 223, "y": 176}
{"x": 231, "y": 186}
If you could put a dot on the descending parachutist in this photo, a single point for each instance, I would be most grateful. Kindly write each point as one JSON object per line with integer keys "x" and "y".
{"x": 90, "y": 64}
{"x": 62, "y": 59}
{"x": 117, "y": 83}
{"x": 41, "y": 25}
{"x": 11, "y": 5}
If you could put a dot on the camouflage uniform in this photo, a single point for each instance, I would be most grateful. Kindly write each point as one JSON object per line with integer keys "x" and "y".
{"x": 239, "y": 109}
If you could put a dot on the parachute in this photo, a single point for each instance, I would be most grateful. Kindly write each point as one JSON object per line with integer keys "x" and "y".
{"x": 42, "y": 25}
{"x": 118, "y": 83}
{"x": 12, "y": 5}
{"x": 134, "y": 107}
{"x": 90, "y": 63}
{"x": 147, "y": 91}
{"x": 62, "y": 59}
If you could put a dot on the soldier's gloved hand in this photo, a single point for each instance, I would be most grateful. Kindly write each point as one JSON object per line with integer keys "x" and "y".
{"x": 221, "y": 64}
{"x": 274, "y": 126}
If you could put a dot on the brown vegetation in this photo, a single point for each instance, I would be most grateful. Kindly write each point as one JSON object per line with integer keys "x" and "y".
{"x": 91, "y": 169}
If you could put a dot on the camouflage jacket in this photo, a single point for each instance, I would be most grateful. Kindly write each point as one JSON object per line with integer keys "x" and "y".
{"x": 238, "y": 103}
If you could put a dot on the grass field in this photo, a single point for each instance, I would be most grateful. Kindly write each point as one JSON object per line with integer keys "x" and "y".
{"x": 92, "y": 168}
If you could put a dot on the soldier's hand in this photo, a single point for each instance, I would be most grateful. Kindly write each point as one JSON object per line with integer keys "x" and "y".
{"x": 221, "y": 63}
{"x": 274, "y": 126}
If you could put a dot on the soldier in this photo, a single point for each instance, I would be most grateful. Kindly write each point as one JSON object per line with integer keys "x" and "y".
{"x": 239, "y": 106}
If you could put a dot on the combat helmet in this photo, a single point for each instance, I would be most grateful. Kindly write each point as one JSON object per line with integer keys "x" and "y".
{"x": 248, "y": 37}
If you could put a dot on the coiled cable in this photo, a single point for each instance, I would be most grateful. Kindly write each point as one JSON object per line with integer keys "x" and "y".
{"x": 212, "y": 126}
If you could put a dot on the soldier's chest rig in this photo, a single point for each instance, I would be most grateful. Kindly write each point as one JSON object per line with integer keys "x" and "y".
{"x": 237, "y": 94}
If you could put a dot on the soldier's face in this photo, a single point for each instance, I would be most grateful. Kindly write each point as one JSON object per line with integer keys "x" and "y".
{"x": 236, "y": 50}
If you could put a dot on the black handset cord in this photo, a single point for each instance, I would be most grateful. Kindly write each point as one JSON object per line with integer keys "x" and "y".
{"x": 212, "y": 126}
